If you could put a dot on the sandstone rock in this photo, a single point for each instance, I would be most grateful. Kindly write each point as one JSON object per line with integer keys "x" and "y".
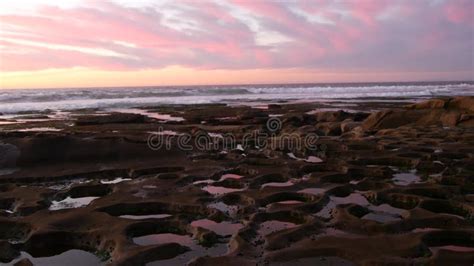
{"x": 329, "y": 128}
{"x": 397, "y": 118}
{"x": 466, "y": 120}
{"x": 375, "y": 119}
{"x": 436, "y": 112}
{"x": 462, "y": 103}
{"x": 430, "y": 104}
{"x": 466, "y": 103}
{"x": 450, "y": 119}
{"x": 348, "y": 125}
{"x": 355, "y": 133}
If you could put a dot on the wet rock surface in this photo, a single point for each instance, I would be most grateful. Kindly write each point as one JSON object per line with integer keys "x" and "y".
{"x": 389, "y": 187}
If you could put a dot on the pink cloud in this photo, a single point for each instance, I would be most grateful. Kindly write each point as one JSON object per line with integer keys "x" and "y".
{"x": 105, "y": 35}
{"x": 460, "y": 11}
{"x": 367, "y": 10}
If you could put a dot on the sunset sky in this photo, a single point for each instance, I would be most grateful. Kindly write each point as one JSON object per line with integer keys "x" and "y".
{"x": 143, "y": 42}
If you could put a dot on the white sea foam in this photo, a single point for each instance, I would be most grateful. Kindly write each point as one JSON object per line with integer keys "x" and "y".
{"x": 14, "y": 101}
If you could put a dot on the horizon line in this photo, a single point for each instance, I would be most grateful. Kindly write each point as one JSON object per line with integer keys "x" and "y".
{"x": 248, "y": 84}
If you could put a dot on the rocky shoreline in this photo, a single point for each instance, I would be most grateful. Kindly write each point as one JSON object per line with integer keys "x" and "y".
{"x": 390, "y": 182}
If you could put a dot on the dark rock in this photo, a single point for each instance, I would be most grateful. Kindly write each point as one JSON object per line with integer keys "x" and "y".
{"x": 89, "y": 191}
{"x": 360, "y": 116}
{"x": 7, "y": 252}
{"x": 114, "y": 118}
{"x": 251, "y": 113}
{"x": 205, "y": 237}
{"x": 274, "y": 107}
{"x": 9, "y": 155}
{"x": 32, "y": 117}
{"x": 466, "y": 103}
{"x": 329, "y": 128}
{"x": 430, "y": 104}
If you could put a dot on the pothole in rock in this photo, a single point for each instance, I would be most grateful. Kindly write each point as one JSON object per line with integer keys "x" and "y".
{"x": 196, "y": 249}
{"x": 143, "y": 217}
{"x": 405, "y": 179}
{"x": 284, "y": 204}
{"x": 310, "y": 159}
{"x": 223, "y": 177}
{"x": 115, "y": 181}
{"x": 320, "y": 261}
{"x": 71, "y": 203}
{"x": 282, "y": 200}
{"x": 384, "y": 213}
{"x": 222, "y": 228}
{"x": 381, "y": 217}
{"x": 278, "y": 184}
{"x": 206, "y": 181}
{"x": 70, "y": 257}
{"x": 230, "y": 176}
{"x": 272, "y": 226}
{"x": 313, "y": 191}
{"x": 67, "y": 184}
{"x": 38, "y": 129}
{"x": 230, "y": 210}
{"x": 218, "y": 191}
{"x": 380, "y": 213}
{"x": 287, "y": 202}
{"x": 156, "y": 239}
{"x": 165, "y": 133}
{"x": 355, "y": 198}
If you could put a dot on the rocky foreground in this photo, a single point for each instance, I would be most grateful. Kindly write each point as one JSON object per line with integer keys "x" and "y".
{"x": 393, "y": 186}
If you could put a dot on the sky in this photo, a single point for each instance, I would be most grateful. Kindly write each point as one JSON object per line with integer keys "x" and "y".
{"x": 95, "y": 43}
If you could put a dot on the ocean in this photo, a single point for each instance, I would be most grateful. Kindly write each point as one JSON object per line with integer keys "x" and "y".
{"x": 31, "y": 100}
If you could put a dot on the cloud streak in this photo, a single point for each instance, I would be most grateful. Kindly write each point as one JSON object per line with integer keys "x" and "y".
{"x": 369, "y": 35}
